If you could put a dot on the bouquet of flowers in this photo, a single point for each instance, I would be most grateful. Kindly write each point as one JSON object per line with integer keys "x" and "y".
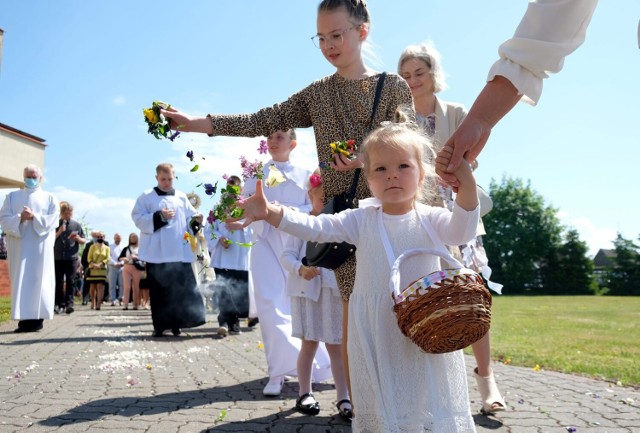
{"x": 157, "y": 123}
{"x": 347, "y": 148}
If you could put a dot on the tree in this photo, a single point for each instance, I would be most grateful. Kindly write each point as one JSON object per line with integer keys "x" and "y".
{"x": 571, "y": 270}
{"x": 523, "y": 237}
{"x": 624, "y": 278}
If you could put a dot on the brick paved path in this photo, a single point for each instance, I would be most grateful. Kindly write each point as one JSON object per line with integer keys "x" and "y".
{"x": 100, "y": 371}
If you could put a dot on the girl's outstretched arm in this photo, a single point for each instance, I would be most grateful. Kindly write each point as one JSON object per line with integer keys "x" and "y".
{"x": 184, "y": 122}
{"x": 257, "y": 208}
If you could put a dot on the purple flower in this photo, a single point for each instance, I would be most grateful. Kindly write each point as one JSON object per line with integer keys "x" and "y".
{"x": 263, "y": 147}
{"x": 225, "y": 177}
{"x": 174, "y": 136}
{"x": 250, "y": 169}
{"x": 190, "y": 155}
{"x": 572, "y": 429}
{"x": 210, "y": 189}
{"x": 323, "y": 165}
{"x": 211, "y": 218}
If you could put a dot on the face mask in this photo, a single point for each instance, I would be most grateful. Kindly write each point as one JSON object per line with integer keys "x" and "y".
{"x": 31, "y": 183}
{"x": 100, "y": 241}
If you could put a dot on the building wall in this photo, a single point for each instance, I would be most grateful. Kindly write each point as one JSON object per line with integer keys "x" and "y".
{"x": 5, "y": 287}
{"x": 17, "y": 152}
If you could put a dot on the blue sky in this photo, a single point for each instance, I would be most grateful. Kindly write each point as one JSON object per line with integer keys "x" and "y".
{"x": 78, "y": 74}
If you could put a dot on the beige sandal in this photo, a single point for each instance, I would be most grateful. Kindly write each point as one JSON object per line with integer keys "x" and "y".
{"x": 492, "y": 401}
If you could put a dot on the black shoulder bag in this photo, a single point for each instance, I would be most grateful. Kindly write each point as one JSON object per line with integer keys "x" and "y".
{"x": 333, "y": 254}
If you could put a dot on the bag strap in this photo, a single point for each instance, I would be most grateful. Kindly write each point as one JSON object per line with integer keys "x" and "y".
{"x": 376, "y": 102}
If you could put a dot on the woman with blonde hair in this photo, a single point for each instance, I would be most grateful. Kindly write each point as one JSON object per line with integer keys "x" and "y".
{"x": 420, "y": 66}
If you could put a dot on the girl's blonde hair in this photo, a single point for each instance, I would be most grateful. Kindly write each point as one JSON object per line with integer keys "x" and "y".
{"x": 408, "y": 136}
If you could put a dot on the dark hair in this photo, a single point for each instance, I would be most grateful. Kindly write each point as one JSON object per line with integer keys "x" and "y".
{"x": 234, "y": 180}
{"x": 357, "y": 9}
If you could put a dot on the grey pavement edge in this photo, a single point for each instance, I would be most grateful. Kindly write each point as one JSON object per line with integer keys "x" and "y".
{"x": 100, "y": 371}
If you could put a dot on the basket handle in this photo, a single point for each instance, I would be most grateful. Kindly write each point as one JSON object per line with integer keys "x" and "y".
{"x": 394, "y": 281}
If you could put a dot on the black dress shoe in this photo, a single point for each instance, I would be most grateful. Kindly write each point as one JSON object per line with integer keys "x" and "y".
{"x": 20, "y": 330}
{"x": 253, "y": 322}
{"x": 176, "y": 331}
{"x": 69, "y": 310}
{"x": 157, "y": 333}
{"x": 309, "y": 408}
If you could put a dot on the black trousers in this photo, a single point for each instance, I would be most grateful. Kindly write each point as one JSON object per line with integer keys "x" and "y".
{"x": 233, "y": 295}
{"x": 65, "y": 271}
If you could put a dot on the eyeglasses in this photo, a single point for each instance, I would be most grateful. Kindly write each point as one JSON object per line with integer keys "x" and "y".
{"x": 336, "y": 39}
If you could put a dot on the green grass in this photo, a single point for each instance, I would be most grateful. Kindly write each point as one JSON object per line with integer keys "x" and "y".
{"x": 597, "y": 336}
{"x": 589, "y": 335}
{"x": 5, "y": 308}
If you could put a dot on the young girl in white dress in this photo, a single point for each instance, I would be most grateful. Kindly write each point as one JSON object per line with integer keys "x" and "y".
{"x": 395, "y": 386}
{"x": 316, "y": 313}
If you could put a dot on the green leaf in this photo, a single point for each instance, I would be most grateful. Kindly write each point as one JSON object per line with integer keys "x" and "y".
{"x": 195, "y": 168}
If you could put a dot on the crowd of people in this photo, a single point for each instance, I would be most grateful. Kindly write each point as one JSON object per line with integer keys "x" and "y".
{"x": 415, "y": 192}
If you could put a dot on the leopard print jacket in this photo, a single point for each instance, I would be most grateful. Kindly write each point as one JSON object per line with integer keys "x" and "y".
{"x": 338, "y": 109}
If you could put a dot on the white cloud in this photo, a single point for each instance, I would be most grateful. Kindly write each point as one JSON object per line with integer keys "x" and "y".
{"x": 595, "y": 237}
{"x": 109, "y": 214}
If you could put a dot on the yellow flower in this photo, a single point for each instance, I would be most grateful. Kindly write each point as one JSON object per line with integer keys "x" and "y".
{"x": 148, "y": 366}
{"x": 150, "y": 115}
{"x": 186, "y": 236}
{"x": 275, "y": 177}
{"x": 536, "y": 368}
{"x": 260, "y": 345}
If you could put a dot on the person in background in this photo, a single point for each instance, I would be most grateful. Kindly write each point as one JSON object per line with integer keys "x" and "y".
{"x": 29, "y": 218}
{"x": 316, "y": 314}
{"x": 164, "y": 216}
{"x": 97, "y": 269}
{"x": 3, "y": 246}
{"x": 421, "y": 67}
{"x": 549, "y": 31}
{"x": 230, "y": 262}
{"x": 115, "y": 269}
{"x": 269, "y": 277}
{"x": 69, "y": 237}
{"x": 131, "y": 274}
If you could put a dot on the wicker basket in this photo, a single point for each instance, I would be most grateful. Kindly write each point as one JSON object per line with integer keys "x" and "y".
{"x": 444, "y": 311}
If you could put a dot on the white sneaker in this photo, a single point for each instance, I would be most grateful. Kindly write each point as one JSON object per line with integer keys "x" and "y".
{"x": 223, "y": 331}
{"x": 274, "y": 387}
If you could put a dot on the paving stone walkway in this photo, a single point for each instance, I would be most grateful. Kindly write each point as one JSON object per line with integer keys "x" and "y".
{"x": 100, "y": 371}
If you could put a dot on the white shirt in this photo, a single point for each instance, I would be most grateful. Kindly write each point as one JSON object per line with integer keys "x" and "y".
{"x": 234, "y": 257}
{"x": 549, "y": 31}
{"x": 167, "y": 244}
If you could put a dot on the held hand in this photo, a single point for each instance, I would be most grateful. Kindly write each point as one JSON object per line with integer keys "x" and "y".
{"x": 466, "y": 142}
{"x": 223, "y": 242}
{"x": 309, "y": 272}
{"x": 342, "y": 163}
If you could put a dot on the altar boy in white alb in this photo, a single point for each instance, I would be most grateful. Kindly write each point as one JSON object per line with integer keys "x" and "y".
{"x": 29, "y": 218}
{"x": 269, "y": 277}
{"x": 163, "y": 216}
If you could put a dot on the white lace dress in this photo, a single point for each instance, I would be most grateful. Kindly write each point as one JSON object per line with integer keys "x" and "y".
{"x": 395, "y": 386}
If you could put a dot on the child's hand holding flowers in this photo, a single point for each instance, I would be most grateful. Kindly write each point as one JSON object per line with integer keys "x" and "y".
{"x": 344, "y": 156}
